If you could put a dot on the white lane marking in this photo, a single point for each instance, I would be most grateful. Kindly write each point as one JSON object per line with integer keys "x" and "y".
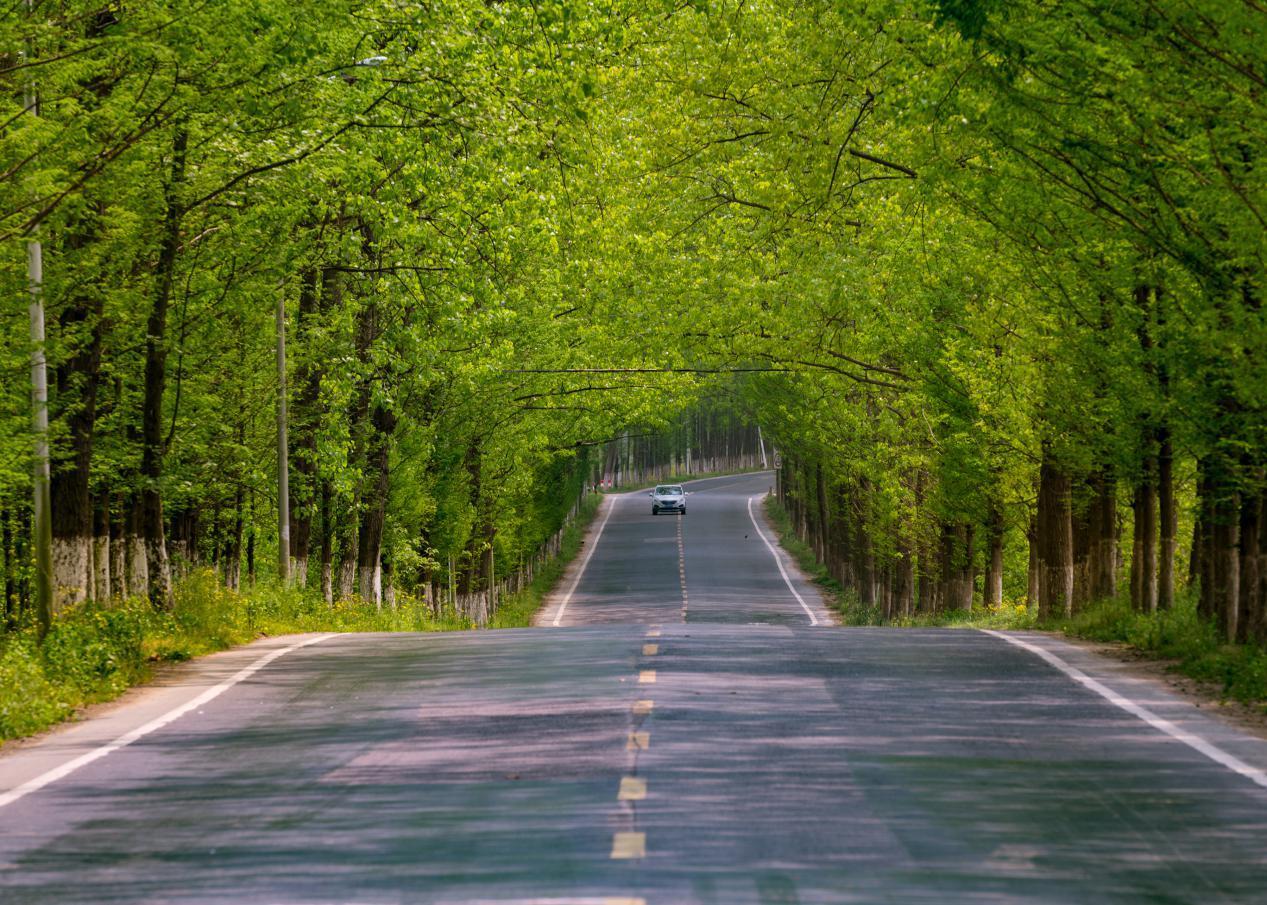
{"x": 1161, "y": 724}
{"x": 585, "y": 561}
{"x": 778, "y": 560}
{"x": 128, "y": 738}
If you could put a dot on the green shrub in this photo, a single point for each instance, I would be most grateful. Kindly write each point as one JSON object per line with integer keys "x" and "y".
{"x": 96, "y": 651}
{"x": 28, "y": 700}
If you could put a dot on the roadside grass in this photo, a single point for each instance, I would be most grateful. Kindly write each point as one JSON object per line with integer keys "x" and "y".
{"x": 94, "y": 653}
{"x": 1179, "y": 636}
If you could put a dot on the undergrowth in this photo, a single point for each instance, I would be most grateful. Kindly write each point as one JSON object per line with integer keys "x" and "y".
{"x": 1178, "y": 634}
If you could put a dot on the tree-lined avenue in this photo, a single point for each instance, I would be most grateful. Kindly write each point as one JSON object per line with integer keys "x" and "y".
{"x": 760, "y": 763}
{"x": 710, "y": 565}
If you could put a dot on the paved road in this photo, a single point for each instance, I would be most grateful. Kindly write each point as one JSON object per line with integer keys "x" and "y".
{"x": 715, "y": 564}
{"x": 779, "y": 762}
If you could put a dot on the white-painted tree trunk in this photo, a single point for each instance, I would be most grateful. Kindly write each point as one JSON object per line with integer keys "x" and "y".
{"x": 119, "y": 566}
{"x": 72, "y": 571}
{"x": 372, "y": 584}
{"x": 101, "y": 567}
{"x": 138, "y": 566}
{"x": 347, "y": 578}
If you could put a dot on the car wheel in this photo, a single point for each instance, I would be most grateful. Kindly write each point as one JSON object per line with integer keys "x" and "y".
{"x": 655, "y": 511}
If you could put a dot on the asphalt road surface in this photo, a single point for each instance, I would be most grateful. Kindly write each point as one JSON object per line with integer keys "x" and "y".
{"x": 686, "y": 735}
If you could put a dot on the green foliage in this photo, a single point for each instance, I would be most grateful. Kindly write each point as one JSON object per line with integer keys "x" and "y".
{"x": 845, "y": 602}
{"x": 1178, "y": 635}
{"x": 925, "y": 245}
{"x": 95, "y": 653}
{"x": 517, "y": 610}
{"x": 29, "y": 701}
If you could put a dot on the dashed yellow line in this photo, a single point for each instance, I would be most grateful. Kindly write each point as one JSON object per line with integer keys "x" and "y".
{"x": 646, "y": 677}
{"x": 654, "y": 633}
{"x": 638, "y": 741}
{"x": 681, "y": 569}
{"x": 624, "y": 902}
{"x": 642, "y": 708}
{"x": 650, "y": 650}
{"x": 632, "y": 789}
{"x": 629, "y": 845}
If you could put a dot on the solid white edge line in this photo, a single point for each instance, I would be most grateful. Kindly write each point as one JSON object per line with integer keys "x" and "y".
{"x": 128, "y": 738}
{"x": 778, "y": 561}
{"x": 1191, "y": 739}
{"x": 585, "y": 561}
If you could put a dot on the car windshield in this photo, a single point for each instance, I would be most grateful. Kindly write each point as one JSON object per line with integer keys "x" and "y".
{"x": 668, "y": 490}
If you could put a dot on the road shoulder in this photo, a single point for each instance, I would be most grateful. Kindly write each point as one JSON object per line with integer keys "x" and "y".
{"x": 100, "y": 725}
{"x": 559, "y": 595}
{"x": 1186, "y": 704}
{"x": 807, "y": 587}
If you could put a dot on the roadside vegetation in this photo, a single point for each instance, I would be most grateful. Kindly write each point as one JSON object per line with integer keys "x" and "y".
{"x": 357, "y": 298}
{"x": 94, "y": 653}
{"x": 1190, "y": 645}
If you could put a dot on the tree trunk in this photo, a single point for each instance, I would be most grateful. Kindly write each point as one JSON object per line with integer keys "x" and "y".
{"x": 159, "y": 579}
{"x": 348, "y": 554}
{"x": 305, "y": 419}
{"x": 1102, "y": 523}
{"x": 10, "y": 585}
{"x": 101, "y": 548}
{"x": 1248, "y": 541}
{"x": 283, "y": 451}
{"x": 1055, "y": 540}
{"x": 957, "y": 566}
{"x": 119, "y": 548}
{"x": 1220, "y": 515}
{"x": 327, "y": 545}
{"x": 137, "y": 558}
{"x": 1032, "y": 588}
{"x": 994, "y": 569}
{"x": 1144, "y": 546}
{"x": 77, "y": 381}
{"x": 374, "y": 503}
{"x": 1227, "y": 576}
{"x": 1258, "y": 617}
{"x": 821, "y": 542}
{"x": 1166, "y": 519}
{"x": 904, "y": 574}
{"x": 233, "y": 545}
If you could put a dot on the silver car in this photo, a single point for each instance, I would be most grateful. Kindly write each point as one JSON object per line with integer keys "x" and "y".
{"x": 668, "y": 498}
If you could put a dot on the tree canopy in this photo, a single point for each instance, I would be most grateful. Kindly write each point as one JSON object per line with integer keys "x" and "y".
{"x": 985, "y": 273}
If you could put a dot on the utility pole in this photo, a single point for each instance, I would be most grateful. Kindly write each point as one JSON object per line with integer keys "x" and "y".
{"x": 39, "y": 398}
{"x": 283, "y": 452}
{"x": 39, "y": 416}
{"x": 761, "y": 443}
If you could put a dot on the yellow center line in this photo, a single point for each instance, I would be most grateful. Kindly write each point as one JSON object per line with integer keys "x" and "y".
{"x": 632, "y": 789}
{"x": 642, "y": 708}
{"x": 654, "y": 633}
{"x": 638, "y": 741}
{"x": 629, "y": 845}
{"x": 650, "y": 650}
{"x": 646, "y": 677}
